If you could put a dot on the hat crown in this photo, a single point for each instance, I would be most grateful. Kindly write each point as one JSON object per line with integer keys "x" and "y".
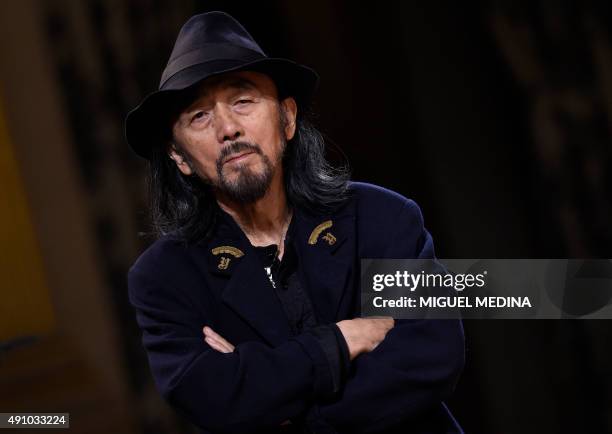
{"x": 209, "y": 36}
{"x": 212, "y": 28}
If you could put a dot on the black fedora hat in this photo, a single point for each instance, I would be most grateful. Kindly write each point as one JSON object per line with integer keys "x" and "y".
{"x": 209, "y": 44}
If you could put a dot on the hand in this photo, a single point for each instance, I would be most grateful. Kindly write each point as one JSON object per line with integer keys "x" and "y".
{"x": 216, "y": 341}
{"x": 362, "y": 335}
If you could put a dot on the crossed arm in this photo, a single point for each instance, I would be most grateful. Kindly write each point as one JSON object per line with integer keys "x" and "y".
{"x": 390, "y": 389}
{"x": 361, "y": 335}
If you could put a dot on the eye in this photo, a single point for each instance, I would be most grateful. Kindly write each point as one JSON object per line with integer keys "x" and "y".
{"x": 244, "y": 101}
{"x": 198, "y": 116}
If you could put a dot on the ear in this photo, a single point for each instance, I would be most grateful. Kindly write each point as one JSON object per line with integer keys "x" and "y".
{"x": 289, "y": 108}
{"x": 178, "y": 158}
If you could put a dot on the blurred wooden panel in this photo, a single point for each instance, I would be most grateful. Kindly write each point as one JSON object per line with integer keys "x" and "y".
{"x": 25, "y": 306}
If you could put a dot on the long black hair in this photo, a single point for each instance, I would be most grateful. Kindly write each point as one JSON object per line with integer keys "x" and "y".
{"x": 185, "y": 205}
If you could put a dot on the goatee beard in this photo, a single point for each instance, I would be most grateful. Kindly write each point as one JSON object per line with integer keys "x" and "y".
{"x": 248, "y": 186}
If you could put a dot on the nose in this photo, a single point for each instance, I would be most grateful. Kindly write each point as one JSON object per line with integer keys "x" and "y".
{"x": 227, "y": 126}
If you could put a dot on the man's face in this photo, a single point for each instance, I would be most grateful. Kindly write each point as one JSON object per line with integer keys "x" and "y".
{"x": 234, "y": 133}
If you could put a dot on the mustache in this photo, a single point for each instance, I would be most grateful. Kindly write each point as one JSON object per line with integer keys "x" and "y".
{"x": 236, "y": 148}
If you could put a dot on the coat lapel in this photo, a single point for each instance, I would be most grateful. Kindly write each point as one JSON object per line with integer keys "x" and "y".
{"x": 326, "y": 249}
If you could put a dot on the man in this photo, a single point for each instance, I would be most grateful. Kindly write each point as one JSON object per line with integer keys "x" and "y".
{"x": 249, "y": 300}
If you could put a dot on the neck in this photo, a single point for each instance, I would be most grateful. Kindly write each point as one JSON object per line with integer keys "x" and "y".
{"x": 264, "y": 221}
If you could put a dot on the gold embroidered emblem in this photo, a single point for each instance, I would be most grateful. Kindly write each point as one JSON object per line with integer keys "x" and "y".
{"x": 314, "y": 236}
{"x": 329, "y": 238}
{"x": 223, "y": 263}
{"x": 235, "y": 252}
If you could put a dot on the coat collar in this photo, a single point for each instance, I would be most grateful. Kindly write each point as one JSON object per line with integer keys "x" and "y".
{"x": 325, "y": 248}
{"x": 326, "y": 253}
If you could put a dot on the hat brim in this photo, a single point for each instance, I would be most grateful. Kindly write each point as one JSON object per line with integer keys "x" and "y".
{"x": 146, "y": 126}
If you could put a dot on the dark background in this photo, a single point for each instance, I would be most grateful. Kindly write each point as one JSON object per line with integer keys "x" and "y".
{"x": 494, "y": 116}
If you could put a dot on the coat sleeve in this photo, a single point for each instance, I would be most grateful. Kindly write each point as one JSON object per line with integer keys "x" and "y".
{"x": 414, "y": 369}
{"x": 254, "y": 387}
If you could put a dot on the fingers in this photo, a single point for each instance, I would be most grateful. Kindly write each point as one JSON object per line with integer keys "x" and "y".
{"x": 216, "y": 346}
{"x": 386, "y": 322}
{"x": 220, "y": 346}
{"x": 216, "y": 341}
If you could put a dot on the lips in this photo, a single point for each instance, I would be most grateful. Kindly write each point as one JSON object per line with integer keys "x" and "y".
{"x": 236, "y": 157}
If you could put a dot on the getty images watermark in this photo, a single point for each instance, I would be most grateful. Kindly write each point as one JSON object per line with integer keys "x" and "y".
{"x": 487, "y": 288}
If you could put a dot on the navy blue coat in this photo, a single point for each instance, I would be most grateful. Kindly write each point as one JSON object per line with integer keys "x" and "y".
{"x": 272, "y": 376}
